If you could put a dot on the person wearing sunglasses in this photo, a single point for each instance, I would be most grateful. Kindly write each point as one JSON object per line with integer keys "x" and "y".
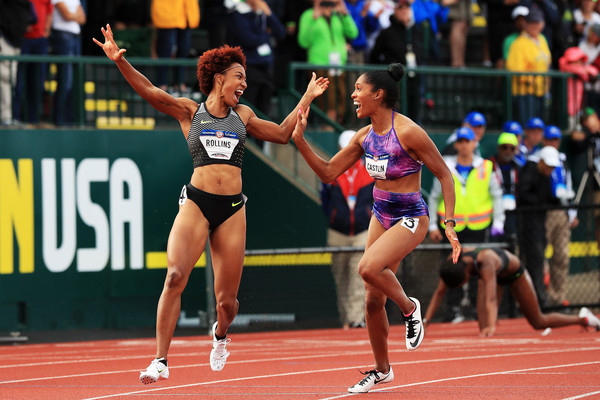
{"x": 507, "y": 169}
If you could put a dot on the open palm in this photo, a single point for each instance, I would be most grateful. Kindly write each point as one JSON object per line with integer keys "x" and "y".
{"x": 317, "y": 86}
{"x": 109, "y": 46}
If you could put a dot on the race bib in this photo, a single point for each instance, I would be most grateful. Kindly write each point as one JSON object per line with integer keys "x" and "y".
{"x": 377, "y": 165}
{"x": 410, "y": 223}
{"x": 219, "y": 144}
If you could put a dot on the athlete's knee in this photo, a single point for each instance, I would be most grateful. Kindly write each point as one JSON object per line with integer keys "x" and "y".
{"x": 538, "y": 322}
{"x": 228, "y": 305}
{"x": 367, "y": 270}
{"x": 175, "y": 280}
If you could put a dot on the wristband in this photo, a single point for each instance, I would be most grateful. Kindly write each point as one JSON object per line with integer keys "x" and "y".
{"x": 450, "y": 220}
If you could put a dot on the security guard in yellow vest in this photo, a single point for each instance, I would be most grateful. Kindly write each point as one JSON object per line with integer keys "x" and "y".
{"x": 478, "y": 194}
{"x": 478, "y": 199}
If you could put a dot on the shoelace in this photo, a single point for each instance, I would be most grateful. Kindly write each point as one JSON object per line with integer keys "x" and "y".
{"x": 411, "y": 324}
{"x": 365, "y": 380}
{"x": 221, "y": 347}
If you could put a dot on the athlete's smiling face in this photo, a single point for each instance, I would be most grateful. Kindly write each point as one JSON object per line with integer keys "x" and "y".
{"x": 233, "y": 84}
{"x": 363, "y": 97}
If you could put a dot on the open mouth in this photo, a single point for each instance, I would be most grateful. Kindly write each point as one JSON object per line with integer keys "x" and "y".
{"x": 239, "y": 93}
{"x": 357, "y": 104}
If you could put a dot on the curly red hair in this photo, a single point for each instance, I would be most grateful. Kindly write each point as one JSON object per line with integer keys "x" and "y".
{"x": 215, "y": 61}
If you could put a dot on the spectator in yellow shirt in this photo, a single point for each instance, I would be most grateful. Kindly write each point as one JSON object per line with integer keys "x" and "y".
{"x": 174, "y": 21}
{"x": 529, "y": 53}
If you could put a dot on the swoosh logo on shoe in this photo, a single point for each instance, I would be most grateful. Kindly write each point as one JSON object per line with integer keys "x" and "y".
{"x": 235, "y": 204}
{"x": 414, "y": 344}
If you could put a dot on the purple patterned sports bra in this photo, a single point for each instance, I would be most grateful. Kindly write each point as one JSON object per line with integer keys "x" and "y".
{"x": 385, "y": 158}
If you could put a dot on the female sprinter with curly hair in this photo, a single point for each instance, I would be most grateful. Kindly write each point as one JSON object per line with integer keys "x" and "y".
{"x": 212, "y": 204}
{"x": 395, "y": 148}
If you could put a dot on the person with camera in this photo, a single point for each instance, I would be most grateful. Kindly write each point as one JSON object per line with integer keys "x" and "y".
{"x": 585, "y": 146}
{"x": 324, "y": 31}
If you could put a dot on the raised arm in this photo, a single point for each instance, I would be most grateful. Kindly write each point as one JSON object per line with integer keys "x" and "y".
{"x": 270, "y": 131}
{"x": 425, "y": 149}
{"x": 327, "y": 171}
{"x": 181, "y": 109}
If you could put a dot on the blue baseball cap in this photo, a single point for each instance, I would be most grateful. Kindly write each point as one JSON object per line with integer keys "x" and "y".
{"x": 475, "y": 118}
{"x": 552, "y": 132}
{"x": 513, "y": 127}
{"x": 465, "y": 133}
{"x": 534, "y": 123}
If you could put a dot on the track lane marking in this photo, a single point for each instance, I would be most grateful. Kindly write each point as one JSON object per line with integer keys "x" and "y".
{"x": 291, "y": 373}
{"x": 516, "y": 371}
{"x": 581, "y": 396}
{"x": 483, "y": 356}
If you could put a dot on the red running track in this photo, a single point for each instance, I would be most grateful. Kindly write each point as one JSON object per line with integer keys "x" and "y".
{"x": 452, "y": 363}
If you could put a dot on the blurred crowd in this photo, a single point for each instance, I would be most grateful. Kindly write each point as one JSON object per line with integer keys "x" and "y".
{"x": 517, "y": 35}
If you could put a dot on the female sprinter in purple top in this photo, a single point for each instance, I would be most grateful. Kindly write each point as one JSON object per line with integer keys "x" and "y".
{"x": 395, "y": 148}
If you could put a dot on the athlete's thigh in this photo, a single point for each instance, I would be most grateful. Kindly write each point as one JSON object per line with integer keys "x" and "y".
{"x": 187, "y": 239}
{"x": 524, "y": 293}
{"x": 228, "y": 246}
{"x": 386, "y": 248}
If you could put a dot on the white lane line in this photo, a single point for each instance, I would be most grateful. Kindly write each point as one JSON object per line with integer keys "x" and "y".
{"x": 516, "y": 371}
{"x": 280, "y": 359}
{"x": 354, "y": 367}
{"x": 581, "y": 396}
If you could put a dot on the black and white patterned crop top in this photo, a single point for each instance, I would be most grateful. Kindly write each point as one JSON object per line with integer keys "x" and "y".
{"x": 213, "y": 140}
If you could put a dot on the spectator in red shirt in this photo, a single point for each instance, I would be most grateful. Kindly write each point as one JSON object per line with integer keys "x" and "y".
{"x": 31, "y": 76}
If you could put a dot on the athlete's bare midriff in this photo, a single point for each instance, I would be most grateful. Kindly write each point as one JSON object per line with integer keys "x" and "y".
{"x": 407, "y": 184}
{"x": 219, "y": 179}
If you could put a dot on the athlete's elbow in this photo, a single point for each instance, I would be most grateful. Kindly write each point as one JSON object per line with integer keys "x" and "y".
{"x": 282, "y": 138}
{"x": 326, "y": 178}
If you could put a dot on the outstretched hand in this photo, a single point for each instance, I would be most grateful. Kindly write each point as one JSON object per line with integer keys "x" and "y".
{"x": 301, "y": 121}
{"x": 317, "y": 86}
{"x": 453, "y": 239}
{"x": 109, "y": 46}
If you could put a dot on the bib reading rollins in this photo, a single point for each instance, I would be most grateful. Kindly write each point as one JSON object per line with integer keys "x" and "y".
{"x": 213, "y": 140}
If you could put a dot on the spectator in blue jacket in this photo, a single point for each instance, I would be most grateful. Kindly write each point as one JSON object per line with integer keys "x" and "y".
{"x": 366, "y": 22}
{"x": 347, "y": 203}
{"x": 255, "y": 28}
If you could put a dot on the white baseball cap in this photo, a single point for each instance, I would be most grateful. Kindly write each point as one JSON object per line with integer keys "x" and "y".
{"x": 549, "y": 155}
{"x": 519, "y": 11}
{"x": 345, "y": 138}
